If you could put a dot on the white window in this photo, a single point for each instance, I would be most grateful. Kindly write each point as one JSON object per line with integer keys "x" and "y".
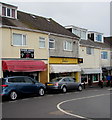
{"x": 98, "y": 37}
{"x": 89, "y": 51}
{"x": 8, "y": 12}
{"x": 104, "y": 55}
{"x": 19, "y": 39}
{"x": 51, "y": 43}
{"x": 41, "y": 42}
{"x": 68, "y": 46}
{"x": 83, "y": 35}
{"x": 76, "y": 32}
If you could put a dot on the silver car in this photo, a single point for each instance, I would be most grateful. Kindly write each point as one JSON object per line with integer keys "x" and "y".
{"x": 63, "y": 84}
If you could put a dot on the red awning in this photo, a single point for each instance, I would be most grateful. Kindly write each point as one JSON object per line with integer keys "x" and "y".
{"x": 23, "y": 65}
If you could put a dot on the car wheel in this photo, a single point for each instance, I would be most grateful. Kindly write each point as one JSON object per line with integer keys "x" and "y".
{"x": 13, "y": 95}
{"x": 64, "y": 89}
{"x": 41, "y": 91}
{"x": 79, "y": 88}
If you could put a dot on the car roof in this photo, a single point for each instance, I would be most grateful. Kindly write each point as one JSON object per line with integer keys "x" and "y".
{"x": 15, "y": 77}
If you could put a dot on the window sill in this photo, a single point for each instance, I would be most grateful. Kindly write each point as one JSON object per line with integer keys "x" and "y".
{"x": 19, "y": 45}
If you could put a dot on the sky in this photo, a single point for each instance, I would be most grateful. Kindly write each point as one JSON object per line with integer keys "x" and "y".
{"x": 92, "y": 15}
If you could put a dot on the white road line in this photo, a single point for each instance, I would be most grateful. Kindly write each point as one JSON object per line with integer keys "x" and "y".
{"x": 74, "y": 115}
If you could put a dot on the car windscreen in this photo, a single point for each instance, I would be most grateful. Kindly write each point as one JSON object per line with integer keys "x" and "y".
{"x": 56, "y": 79}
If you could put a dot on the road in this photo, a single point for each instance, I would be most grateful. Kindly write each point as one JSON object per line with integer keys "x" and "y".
{"x": 89, "y": 104}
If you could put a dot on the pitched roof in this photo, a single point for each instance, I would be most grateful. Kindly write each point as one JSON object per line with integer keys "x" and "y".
{"x": 95, "y": 44}
{"x": 34, "y": 22}
{"x": 108, "y": 40}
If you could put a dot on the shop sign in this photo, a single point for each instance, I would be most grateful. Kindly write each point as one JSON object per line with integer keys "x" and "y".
{"x": 53, "y": 60}
{"x": 80, "y": 60}
{"x": 27, "y": 53}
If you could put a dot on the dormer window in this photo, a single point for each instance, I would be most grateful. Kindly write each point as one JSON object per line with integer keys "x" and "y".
{"x": 4, "y": 11}
{"x": 8, "y": 12}
{"x": 98, "y": 38}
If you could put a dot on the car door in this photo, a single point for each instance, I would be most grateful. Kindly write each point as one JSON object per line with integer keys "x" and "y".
{"x": 73, "y": 84}
{"x": 30, "y": 86}
{"x": 67, "y": 83}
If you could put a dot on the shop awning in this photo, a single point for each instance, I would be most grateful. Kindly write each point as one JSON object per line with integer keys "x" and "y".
{"x": 23, "y": 65}
{"x": 91, "y": 71}
{"x": 61, "y": 68}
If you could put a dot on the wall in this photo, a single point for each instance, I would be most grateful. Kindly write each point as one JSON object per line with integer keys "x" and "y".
{"x": 10, "y": 51}
{"x": 106, "y": 62}
{"x": 89, "y": 61}
{"x": 59, "y": 51}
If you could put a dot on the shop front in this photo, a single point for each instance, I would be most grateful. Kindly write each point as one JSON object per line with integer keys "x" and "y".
{"x": 91, "y": 76}
{"x": 61, "y": 67}
{"x": 32, "y": 68}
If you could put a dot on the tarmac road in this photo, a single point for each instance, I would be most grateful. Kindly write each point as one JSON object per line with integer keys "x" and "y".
{"x": 89, "y": 104}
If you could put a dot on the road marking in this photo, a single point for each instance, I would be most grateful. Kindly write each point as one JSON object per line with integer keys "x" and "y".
{"x": 74, "y": 115}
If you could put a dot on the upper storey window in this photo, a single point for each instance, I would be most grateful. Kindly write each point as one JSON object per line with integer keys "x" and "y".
{"x": 98, "y": 38}
{"x": 8, "y": 12}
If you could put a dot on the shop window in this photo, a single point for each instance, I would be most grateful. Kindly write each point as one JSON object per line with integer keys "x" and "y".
{"x": 95, "y": 78}
{"x": 19, "y": 39}
{"x": 83, "y": 78}
{"x": 41, "y": 42}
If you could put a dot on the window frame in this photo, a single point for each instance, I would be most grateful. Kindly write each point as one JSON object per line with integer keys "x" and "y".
{"x": 53, "y": 42}
{"x": 91, "y": 51}
{"x": 40, "y": 40}
{"x": 21, "y": 39}
{"x": 11, "y": 12}
{"x": 65, "y": 43}
{"x": 97, "y": 40}
{"x": 103, "y": 57}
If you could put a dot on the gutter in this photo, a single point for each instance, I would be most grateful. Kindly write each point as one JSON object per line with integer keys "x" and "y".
{"x": 39, "y": 31}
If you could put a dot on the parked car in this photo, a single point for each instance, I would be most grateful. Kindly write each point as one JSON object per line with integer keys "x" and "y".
{"x": 15, "y": 86}
{"x": 63, "y": 84}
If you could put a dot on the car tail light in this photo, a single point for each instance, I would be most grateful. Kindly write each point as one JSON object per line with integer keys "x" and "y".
{"x": 4, "y": 85}
{"x": 56, "y": 84}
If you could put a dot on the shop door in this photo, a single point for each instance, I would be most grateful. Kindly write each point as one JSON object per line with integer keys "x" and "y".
{"x": 90, "y": 80}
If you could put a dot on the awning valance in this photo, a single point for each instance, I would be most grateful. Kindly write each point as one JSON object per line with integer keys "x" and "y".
{"x": 91, "y": 71}
{"x": 61, "y": 68}
{"x": 23, "y": 65}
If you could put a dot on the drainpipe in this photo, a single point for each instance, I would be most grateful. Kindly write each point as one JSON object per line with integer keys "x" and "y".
{"x": 48, "y": 59}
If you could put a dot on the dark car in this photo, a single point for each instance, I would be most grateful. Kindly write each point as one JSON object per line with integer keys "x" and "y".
{"x": 15, "y": 86}
{"x": 63, "y": 84}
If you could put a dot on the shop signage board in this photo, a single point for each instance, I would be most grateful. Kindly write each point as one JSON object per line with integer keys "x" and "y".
{"x": 27, "y": 53}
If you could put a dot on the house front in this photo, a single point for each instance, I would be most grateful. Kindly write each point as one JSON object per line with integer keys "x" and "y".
{"x": 91, "y": 71}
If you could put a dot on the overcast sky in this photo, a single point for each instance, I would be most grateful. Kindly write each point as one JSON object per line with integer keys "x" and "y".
{"x": 94, "y": 16}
